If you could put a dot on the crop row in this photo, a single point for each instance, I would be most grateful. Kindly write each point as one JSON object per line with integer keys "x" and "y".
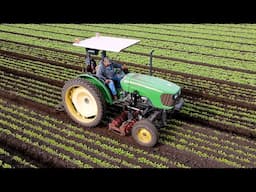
{"x": 176, "y": 136}
{"x": 136, "y": 34}
{"x": 200, "y": 110}
{"x": 39, "y": 68}
{"x": 225, "y": 139}
{"x": 49, "y": 135}
{"x": 40, "y": 85}
{"x": 220, "y": 28}
{"x": 173, "y": 43}
{"x": 223, "y": 108}
{"x": 217, "y": 112}
{"x": 39, "y": 92}
{"x": 189, "y": 141}
{"x": 8, "y": 159}
{"x": 191, "y": 56}
{"x": 198, "y": 29}
{"x": 202, "y": 86}
{"x": 202, "y": 30}
{"x": 205, "y": 114}
{"x": 214, "y": 118}
{"x": 172, "y": 49}
{"x": 149, "y": 43}
{"x": 234, "y": 27}
{"x": 167, "y": 78}
{"x": 68, "y": 58}
{"x": 212, "y": 89}
{"x": 244, "y": 95}
{"x": 188, "y": 67}
{"x": 203, "y": 71}
{"x": 179, "y": 145}
{"x": 73, "y": 140}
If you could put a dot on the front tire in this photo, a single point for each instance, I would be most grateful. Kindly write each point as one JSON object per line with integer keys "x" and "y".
{"x": 145, "y": 133}
{"x": 83, "y": 102}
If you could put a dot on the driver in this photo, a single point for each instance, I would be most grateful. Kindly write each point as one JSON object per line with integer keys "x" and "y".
{"x": 107, "y": 72}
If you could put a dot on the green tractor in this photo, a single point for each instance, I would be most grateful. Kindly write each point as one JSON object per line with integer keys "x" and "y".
{"x": 146, "y": 100}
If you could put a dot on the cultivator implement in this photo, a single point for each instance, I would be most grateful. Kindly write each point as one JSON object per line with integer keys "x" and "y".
{"x": 122, "y": 124}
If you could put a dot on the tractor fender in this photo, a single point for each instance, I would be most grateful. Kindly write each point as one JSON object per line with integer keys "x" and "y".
{"x": 100, "y": 85}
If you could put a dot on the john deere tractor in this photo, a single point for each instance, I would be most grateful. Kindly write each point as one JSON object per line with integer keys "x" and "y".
{"x": 146, "y": 101}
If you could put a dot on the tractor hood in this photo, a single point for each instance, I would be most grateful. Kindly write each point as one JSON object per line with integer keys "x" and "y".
{"x": 149, "y": 86}
{"x": 151, "y": 83}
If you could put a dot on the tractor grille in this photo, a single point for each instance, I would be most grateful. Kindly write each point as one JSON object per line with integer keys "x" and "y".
{"x": 166, "y": 99}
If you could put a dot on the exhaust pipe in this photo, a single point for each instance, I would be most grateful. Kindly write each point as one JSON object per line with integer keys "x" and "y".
{"x": 150, "y": 62}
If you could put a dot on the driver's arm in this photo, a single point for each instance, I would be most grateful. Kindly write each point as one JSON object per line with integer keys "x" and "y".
{"x": 117, "y": 65}
{"x": 100, "y": 73}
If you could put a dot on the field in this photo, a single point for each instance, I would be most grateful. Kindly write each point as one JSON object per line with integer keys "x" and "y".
{"x": 215, "y": 65}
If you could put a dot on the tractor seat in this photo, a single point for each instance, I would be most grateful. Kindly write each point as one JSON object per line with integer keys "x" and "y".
{"x": 91, "y": 66}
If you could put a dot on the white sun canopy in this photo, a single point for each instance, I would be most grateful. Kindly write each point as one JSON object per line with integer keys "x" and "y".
{"x": 106, "y": 43}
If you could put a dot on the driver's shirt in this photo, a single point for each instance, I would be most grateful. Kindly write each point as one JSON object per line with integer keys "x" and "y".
{"x": 107, "y": 72}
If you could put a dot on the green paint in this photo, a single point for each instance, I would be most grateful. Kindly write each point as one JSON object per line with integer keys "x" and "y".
{"x": 150, "y": 87}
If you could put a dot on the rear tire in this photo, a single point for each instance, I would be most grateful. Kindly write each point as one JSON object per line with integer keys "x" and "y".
{"x": 83, "y": 102}
{"x": 145, "y": 133}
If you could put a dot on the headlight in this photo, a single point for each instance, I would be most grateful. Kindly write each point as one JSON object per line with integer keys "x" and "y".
{"x": 175, "y": 96}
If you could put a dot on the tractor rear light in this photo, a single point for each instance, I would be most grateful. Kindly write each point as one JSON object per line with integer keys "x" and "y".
{"x": 167, "y": 99}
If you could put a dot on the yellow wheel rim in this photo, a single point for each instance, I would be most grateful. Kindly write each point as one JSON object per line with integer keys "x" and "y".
{"x": 81, "y": 104}
{"x": 144, "y": 135}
